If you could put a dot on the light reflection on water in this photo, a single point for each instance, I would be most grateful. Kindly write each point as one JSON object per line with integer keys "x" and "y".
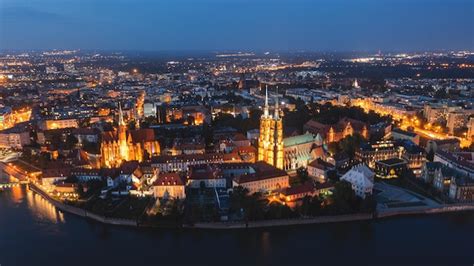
{"x": 41, "y": 209}
{"x": 30, "y": 225}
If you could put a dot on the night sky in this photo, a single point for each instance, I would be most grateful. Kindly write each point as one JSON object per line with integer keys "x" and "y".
{"x": 167, "y": 25}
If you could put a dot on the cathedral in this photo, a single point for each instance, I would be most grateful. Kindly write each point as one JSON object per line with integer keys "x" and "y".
{"x": 127, "y": 145}
{"x": 336, "y": 132}
{"x": 270, "y": 141}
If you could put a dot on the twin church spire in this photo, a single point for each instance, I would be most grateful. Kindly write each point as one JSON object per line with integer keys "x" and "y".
{"x": 270, "y": 141}
{"x": 266, "y": 111}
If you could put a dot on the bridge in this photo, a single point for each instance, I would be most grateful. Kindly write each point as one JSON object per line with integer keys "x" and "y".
{"x": 13, "y": 173}
{"x": 8, "y": 185}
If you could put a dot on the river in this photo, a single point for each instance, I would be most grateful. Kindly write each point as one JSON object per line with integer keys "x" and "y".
{"x": 33, "y": 232}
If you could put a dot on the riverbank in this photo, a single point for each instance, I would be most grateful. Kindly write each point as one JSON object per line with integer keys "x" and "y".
{"x": 81, "y": 212}
{"x": 28, "y": 218}
{"x": 265, "y": 223}
{"x": 426, "y": 210}
{"x": 283, "y": 222}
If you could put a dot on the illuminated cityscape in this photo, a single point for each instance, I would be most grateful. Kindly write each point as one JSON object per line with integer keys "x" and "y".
{"x": 203, "y": 132}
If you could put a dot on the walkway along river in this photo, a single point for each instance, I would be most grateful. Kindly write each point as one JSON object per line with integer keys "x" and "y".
{"x": 266, "y": 223}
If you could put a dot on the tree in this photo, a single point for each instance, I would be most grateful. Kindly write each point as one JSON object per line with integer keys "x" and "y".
{"x": 350, "y": 144}
{"x": 279, "y": 211}
{"x": 344, "y": 198}
{"x": 441, "y": 94}
{"x": 298, "y": 117}
{"x": 332, "y": 176}
{"x": 146, "y": 155}
{"x": 302, "y": 174}
{"x": 202, "y": 186}
{"x": 91, "y": 147}
{"x": 207, "y": 134}
{"x": 131, "y": 125}
{"x": 44, "y": 159}
{"x": 238, "y": 198}
{"x": 190, "y": 120}
{"x": 430, "y": 155}
{"x": 27, "y": 155}
{"x": 254, "y": 207}
{"x": 71, "y": 141}
{"x": 251, "y": 205}
{"x": 368, "y": 204}
{"x": 333, "y": 148}
{"x": 311, "y": 206}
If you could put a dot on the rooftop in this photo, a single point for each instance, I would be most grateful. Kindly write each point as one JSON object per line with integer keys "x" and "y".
{"x": 392, "y": 161}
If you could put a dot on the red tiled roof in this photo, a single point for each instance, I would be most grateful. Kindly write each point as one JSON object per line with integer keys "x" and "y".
{"x": 324, "y": 185}
{"x": 231, "y": 157}
{"x": 139, "y": 135}
{"x": 263, "y": 171}
{"x": 129, "y": 167}
{"x": 169, "y": 179}
{"x": 320, "y": 164}
{"x": 318, "y": 151}
{"x": 143, "y": 135}
{"x": 246, "y": 149}
{"x": 307, "y": 187}
{"x": 323, "y": 129}
{"x": 56, "y": 172}
{"x": 204, "y": 171}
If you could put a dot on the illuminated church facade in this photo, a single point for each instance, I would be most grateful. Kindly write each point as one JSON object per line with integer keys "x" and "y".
{"x": 270, "y": 141}
{"x": 127, "y": 145}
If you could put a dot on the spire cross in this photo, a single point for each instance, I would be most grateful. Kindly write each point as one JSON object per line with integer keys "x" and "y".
{"x": 121, "y": 122}
{"x": 277, "y": 116}
{"x": 265, "y": 110}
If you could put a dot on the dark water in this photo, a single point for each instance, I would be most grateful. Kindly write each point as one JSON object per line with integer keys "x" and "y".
{"x": 32, "y": 232}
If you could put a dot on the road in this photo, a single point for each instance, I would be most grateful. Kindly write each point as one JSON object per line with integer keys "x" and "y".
{"x": 12, "y": 172}
{"x": 9, "y": 156}
{"x": 435, "y": 135}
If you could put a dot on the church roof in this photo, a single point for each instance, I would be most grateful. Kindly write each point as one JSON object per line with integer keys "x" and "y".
{"x": 109, "y": 136}
{"x": 138, "y": 135}
{"x": 143, "y": 135}
{"x": 297, "y": 140}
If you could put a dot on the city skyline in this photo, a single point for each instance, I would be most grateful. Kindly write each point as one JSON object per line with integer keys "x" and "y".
{"x": 236, "y": 132}
{"x": 209, "y": 25}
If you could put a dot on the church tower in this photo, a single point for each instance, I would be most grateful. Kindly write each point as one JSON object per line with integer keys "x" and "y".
{"x": 122, "y": 136}
{"x": 270, "y": 141}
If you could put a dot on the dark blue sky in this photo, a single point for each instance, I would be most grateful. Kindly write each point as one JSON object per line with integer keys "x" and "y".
{"x": 319, "y": 25}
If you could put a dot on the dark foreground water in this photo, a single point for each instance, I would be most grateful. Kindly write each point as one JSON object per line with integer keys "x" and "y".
{"x": 33, "y": 232}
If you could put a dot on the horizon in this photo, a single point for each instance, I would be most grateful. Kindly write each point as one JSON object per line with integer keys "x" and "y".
{"x": 254, "y": 51}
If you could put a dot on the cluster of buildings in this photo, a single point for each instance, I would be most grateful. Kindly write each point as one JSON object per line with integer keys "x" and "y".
{"x": 146, "y": 134}
{"x": 451, "y": 174}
